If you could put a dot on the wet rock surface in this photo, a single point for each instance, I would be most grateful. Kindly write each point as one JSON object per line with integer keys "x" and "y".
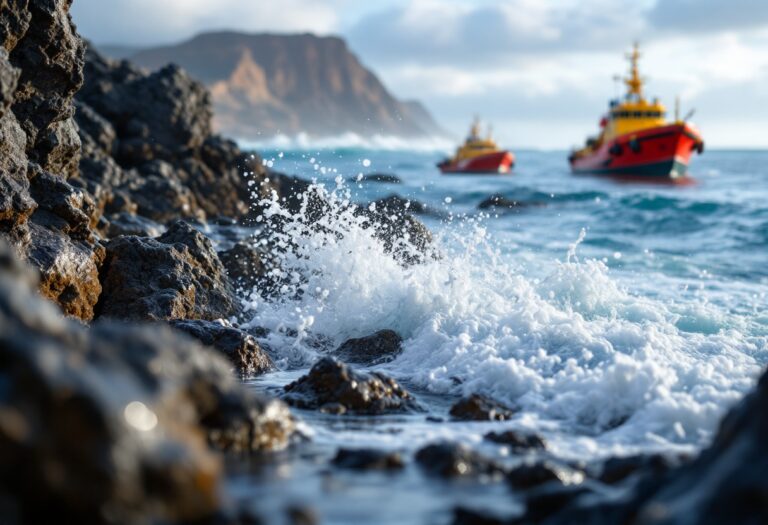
{"x": 518, "y": 441}
{"x": 529, "y": 475}
{"x": 451, "y": 460}
{"x": 368, "y": 459}
{"x": 115, "y": 423}
{"x": 247, "y": 266}
{"x": 176, "y": 276}
{"x": 334, "y": 387}
{"x": 383, "y": 346}
{"x": 238, "y": 346}
{"x": 477, "y": 407}
{"x": 387, "y": 178}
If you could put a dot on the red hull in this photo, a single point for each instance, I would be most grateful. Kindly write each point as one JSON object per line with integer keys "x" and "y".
{"x": 653, "y": 154}
{"x": 499, "y": 162}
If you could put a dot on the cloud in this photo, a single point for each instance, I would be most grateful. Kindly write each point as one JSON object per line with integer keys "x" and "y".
{"x": 483, "y": 33}
{"x": 148, "y": 22}
{"x": 695, "y": 16}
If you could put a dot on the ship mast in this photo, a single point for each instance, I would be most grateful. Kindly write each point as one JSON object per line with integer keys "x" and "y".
{"x": 634, "y": 82}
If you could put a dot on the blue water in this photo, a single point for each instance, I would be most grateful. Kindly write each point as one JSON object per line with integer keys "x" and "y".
{"x": 616, "y": 317}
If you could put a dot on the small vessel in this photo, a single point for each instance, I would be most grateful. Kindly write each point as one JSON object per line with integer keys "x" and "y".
{"x": 636, "y": 141}
{"x": 478, "y": 155}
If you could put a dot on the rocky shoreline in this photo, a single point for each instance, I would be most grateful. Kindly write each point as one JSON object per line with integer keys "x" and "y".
{"x": 119, "y": 333}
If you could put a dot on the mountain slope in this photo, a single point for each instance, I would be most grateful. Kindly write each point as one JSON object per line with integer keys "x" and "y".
{"x": 265, "y": 84}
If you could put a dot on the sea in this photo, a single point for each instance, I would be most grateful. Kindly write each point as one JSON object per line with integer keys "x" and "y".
{"x": 616, "y": 318}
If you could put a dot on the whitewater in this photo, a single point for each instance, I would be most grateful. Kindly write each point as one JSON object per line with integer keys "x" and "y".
{"x": 600, "y": 360}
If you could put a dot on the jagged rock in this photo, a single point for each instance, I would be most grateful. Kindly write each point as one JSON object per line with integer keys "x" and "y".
{"x": 395, "y": 204}
{"x": 109, "y": 424}
{"x": 517, "y": 441}
{"x": 238, "y": 346}
{"x": 402, "y": 235}
{"x": 9, "y": 78}
{"x": 451, "y": 460}
{"x": 128, "y": 224}
{"x": 367, "y": 459}
{"x": 480, "y": 408}
{"x": 246, "y": 266}
{"x": 176, "y": 276}
{"x": 69, "y": 270}
{"x": 334, "y": 387}
{"x": 376, "y": 348}
{"x": 66, "y": 209}
{"x": 160, "y": 195}
{"x": 50, "y": 57}
{"x": 529, "y": 475}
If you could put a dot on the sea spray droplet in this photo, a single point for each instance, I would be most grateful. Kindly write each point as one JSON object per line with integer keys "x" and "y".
{"x": 367, "y": 163}
{"x": 448, "y": 200}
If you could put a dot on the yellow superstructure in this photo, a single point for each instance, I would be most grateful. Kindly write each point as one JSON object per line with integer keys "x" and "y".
{"x": 474, "y": 145}
{"x": 634, "y": 113}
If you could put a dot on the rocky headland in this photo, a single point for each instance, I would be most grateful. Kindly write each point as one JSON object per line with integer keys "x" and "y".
{"x": 121, "y": 349}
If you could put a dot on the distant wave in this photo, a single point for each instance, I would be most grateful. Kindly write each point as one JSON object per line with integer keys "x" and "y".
{"x": 348, "y": 140}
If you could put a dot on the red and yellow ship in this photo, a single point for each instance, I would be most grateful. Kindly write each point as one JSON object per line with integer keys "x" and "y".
{"x": 478, "y": 155}
{"x": 636, "y": 141}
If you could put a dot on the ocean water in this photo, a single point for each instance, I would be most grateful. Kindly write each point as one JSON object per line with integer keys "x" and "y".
{"x": 616, "y": 318}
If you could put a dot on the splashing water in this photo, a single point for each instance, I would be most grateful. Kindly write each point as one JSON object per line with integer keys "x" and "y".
{"x": 575, "y": 352}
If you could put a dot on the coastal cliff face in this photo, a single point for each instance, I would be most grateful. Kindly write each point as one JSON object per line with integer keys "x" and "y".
{"x": 266, "y": 84}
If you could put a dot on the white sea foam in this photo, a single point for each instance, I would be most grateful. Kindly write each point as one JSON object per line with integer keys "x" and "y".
{"x": 575, "y": 351}
{"x": 348, "y": 140}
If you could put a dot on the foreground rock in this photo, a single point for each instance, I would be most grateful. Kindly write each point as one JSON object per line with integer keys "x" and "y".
{"x": 176, "y": 276}
{"x": 238, "y": 346}
{"x": 110, "y": 424}
{"x": 480, "y": 408}
{"x": 331, "y": 386}
{"x": 450, "y": 460}
{"x": 247, "y": 267}
{"x": 381, "y": 347}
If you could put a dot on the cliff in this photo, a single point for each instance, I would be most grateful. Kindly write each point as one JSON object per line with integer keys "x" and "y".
{"x": 265, "y": 84}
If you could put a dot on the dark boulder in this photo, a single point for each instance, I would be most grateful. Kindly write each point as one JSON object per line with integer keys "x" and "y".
{"x": 334, "y": 387}
{"x": 480, "y": 408}
{"x": 383, "y": 346}
{"x": 121, "y": 224}
{"x": 247, "y": 266}
{"x": 367, "y": 459}
{"x": 451, "y": 460}
{"x": 518, "y": 441}
{"x": 238, "y": 346}
{"x": 69, "y": 270}
{"x": 110, "y": 424}
{"x": 529, "y": 475}
{"x": 176, "y": 276}
{"x": 616, "y": 470}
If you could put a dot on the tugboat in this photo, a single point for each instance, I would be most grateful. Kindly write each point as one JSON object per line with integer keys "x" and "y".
{"x": 478, "y": 155}
{"x": 636, "y": 141}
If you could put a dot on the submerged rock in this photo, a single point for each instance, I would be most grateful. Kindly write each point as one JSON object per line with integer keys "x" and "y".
{"x": 388, "y": 178}
{"x": 368, "y": 459}
{"x": 450, "y": 460}
{"x": 383, "y": 346}
{"x": 110, "y": 424}
{"x": 518, "y": 441}
{"x": 176, "y": 276}
{"x": 238, "y": 346}
{"x": 498, "y": 200}
{"x": 480, "y": 408}
{"x": 334, "y": 387}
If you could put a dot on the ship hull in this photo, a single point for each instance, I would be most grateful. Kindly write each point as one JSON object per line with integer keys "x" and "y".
{"x": 498, "y": 162}
{"x": 661, "y": 154}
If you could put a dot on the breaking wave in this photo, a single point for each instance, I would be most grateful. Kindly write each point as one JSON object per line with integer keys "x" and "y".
{"x": 575, "y": 351}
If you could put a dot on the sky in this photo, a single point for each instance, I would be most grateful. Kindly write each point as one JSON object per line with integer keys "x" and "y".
{"x": 542, "y": 71}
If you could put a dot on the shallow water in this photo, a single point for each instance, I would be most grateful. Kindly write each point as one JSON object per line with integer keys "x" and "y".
{"x": 616, "y": 318}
